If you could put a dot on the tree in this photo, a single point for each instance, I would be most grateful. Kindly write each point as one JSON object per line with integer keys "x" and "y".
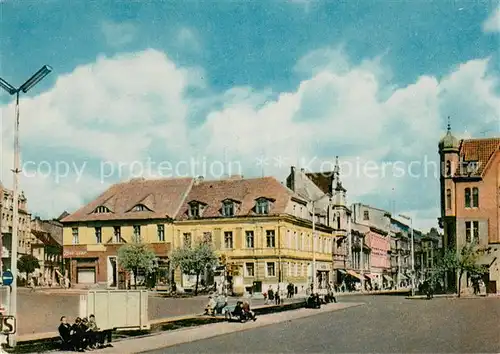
{"x": 135, "y": 256}
{"x": 460, "y": 263}
{"x": 194, "y": 261}
{"x": 27, "y": 264}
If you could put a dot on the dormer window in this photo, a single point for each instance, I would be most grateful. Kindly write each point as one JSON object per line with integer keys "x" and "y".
{"x": 228, "y": 208}
{"x": 140, "y": 207}
{"x": 101, "y": 210}
{"x": 262, "y": 206}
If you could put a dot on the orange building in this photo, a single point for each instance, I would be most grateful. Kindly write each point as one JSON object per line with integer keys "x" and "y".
{"x": 470, "y": 193}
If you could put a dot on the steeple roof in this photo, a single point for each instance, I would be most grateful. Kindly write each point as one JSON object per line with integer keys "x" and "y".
{"x": 448, "y": 141}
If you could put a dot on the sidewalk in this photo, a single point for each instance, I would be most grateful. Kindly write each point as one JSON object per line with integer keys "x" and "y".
{"x": 172, "y": 338}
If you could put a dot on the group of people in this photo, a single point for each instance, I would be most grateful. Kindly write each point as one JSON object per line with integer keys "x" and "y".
{"x": 83, "y": 334}
{"x": 215, "y": 305}
{"x": 271, "y": 295}
{"x": 242, "y": 311}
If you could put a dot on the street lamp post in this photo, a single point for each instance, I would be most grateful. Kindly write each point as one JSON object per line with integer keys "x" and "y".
{"x": 412, "y": 254}
{"x": 30, "y": 83}
{"x": 314, "y": 244}
{"x": 314, "y": 248}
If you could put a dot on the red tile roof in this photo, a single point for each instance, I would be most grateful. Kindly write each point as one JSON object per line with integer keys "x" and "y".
{"x": 480, "y": 150}
{"x": 244, "y": 191}
{"x": 162, "y": 196}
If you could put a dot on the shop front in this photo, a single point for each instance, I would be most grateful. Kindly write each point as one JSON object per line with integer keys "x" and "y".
{"x": 90, "y": 267}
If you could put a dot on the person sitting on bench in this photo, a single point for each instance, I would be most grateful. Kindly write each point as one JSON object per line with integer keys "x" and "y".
{"x": 66, "y": 334}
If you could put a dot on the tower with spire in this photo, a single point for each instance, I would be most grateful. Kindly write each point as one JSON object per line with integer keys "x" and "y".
{"x": 337, "y": 190}
{"x": 449, "y": 148}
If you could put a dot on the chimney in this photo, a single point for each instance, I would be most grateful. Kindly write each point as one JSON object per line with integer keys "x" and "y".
{"x": 198, "y": 180}
{"x": 290, "y": 181}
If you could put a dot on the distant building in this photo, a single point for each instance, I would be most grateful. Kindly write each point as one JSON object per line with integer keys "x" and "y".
{"x": 470, "y": 184}
{"x": 377, "y": 223}
{"x": 48, "y": 249}
{"x": 25, "y": 238}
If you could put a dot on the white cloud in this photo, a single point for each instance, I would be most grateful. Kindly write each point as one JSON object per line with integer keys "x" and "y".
{"x": 492, "y": 23}
{"x": 136, "y": 107}
{"x": 117, "y": 34}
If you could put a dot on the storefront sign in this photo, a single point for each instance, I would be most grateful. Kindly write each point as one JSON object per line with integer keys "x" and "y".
{"x": 68, "y": 254}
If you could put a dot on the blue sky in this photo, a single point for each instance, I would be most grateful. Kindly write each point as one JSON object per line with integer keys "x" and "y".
{"x": 362, "y": 80}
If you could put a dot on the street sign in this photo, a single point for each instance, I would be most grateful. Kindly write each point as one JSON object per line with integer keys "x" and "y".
{"x": 7, "y": 278}
{"x": 7, "y": 324}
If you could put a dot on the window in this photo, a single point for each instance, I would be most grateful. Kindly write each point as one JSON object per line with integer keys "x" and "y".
{"x": 74, "y": 232}
{"x": 137, "y": 233}
{"x": 468, "y": 231}
{"x": 140, "y": 207}
{"x": 467, "y": 197}
{"x": 366, "y": 215}
{"x": 249, "y": 270}
{"x": 117, "y": 233}
{"x": 101, "y": 209}
{"x": 270, "y": 239}
{"x": 262, "y": 206}
{"x": 228, "y": 208}
{"x": 249, "y": 238}
{"x": 475, "y": 231}
{"x": 187, "y": 239}
{"x": 475, "y": 197}
{"x": 270, "y": 269}
{"x": 448, "y": 169}
{"x": 161, "y": 232}
{"x": 338, "y": 221}
{"x": 98, "y": 234}
{"x": 194, "y": 210}
{"x": 448, "y": 198}
{"x": 228, "y": 239}
{"x": 207, "y": 237}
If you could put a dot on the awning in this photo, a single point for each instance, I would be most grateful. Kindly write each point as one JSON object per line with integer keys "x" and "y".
{"x": 404, "y": 277}
{"x": 354, "y": 274}
{"x": 370, "y": 276}
{"x": 59, "y": 273}
{"x": 342, "y": 271}
{"x": 388, "y": 278}
{"x": 486, "y": 260}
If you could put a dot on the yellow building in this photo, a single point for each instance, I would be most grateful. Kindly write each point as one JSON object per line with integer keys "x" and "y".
{"x": 138, "y": 208}
{"x": 263, "y": 228}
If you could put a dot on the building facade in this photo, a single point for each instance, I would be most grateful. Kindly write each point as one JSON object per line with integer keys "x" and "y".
{"x": 135, "y": 210}
{"x": 470, "y": 183}
{"x": 325, "y": 189}
{"x": 377, "y": 239}
{"x": 48, "y": 249}
{"x": 25, "y": 239}
{"x": 262, "y": 228}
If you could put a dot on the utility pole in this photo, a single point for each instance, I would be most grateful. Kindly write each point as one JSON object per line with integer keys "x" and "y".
{"x": 314, "y": 248}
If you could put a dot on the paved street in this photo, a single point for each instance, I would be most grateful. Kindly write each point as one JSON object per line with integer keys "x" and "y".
{"x": 39, "y": 312}
{"x": 386, "y": 324}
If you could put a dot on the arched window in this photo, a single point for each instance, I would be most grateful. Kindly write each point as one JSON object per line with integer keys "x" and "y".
{"x": 467, "y": 197}
{"x": 475, "y": 197}
{"x": 448, "y": 168}
{"x": 448, "y": 198}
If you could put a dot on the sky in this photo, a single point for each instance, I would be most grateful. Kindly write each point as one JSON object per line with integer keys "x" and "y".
{"x": 214, "y": 88}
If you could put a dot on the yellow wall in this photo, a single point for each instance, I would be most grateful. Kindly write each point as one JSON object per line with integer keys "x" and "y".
{"x": 284, "y": 231}
{"x": 239, "y": 228}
